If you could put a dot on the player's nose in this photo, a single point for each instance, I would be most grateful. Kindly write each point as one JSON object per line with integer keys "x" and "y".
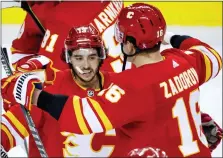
{"x": 86, "y": 64}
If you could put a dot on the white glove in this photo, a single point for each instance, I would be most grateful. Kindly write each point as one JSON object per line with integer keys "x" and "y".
{"x": 167, "y": 38}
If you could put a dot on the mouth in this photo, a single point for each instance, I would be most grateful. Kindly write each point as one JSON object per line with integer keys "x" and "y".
{"x": 86, "y": 73}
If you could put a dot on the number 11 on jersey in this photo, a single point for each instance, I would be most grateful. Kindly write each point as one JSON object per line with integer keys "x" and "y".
{"x": 53, "y": 39}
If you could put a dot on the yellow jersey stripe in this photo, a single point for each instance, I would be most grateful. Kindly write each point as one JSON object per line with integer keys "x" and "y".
{"x": 101, "y": 114}
{"x": 10, "y": 79}
{"x": 13, "y": 50}
{"x": 207, "y": 67}
{"x": 9, "y": 135}
{"x": 79, "y": 115}
{"x": 217, "y": 56}
{"x": 6, "y": 101}
{"x": 207, "y": 61}
{"x": 17, "y": 124}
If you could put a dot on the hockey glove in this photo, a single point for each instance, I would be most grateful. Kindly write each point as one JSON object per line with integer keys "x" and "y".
{"x": 19, "y": 88}
{"x": 211, "y": 130}
{"x": 41, "y": 65}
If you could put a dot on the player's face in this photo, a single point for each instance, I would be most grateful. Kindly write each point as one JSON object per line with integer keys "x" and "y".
{"x": 85, "y": 62}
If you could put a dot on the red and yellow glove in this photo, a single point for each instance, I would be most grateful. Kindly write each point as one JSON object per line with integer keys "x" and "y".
{"x": 41, "y": 65}
{"x": 19, "y": 88}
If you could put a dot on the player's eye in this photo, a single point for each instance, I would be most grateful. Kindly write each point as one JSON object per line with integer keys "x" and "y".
{"x": 78, "y": 58}
{"x": 93, "y": 57}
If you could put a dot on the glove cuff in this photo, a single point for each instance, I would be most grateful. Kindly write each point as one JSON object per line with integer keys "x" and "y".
{"x": 168, "y": 37}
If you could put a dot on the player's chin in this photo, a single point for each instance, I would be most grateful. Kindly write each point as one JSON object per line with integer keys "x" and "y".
{"x": 87, "y": 77}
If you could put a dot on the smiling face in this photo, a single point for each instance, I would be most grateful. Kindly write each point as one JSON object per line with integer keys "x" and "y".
{"x": 85, "y": 63}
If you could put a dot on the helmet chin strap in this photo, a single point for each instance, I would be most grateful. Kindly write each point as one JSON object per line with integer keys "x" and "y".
{"x": 124, "y": 62}
{"x": 126, "y": 56}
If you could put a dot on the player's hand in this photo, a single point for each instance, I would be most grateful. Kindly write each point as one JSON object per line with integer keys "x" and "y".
{"x": 38, "y": 64}
{"x": 19, "y": 88}
{"x": 167, "y": 38}
{"x": 30, "y": 63}
{"x": 147, "y": 152}
{"x": 211, "y": 130}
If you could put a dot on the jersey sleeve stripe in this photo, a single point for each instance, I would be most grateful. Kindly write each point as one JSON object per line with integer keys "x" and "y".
{"x": 215, "y": 66}
{"x": 9, "y": 80}
{"x": 9, "y": 135}
{"x": 208, "y": 68}
{"x": 6, "y": 101}
{"x": 18, "y": 139}
{"x": 79, "y": 115}
{"x": 12, "y": 49}
{"x": 212, "y": 57}
{"x": 101, "y": 114}
{"x": 218, "y": 58}
{"x": 17, "y": 124}
{"x": 91, "y": 117}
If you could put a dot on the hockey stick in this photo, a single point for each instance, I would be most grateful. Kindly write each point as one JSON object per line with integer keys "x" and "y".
{"x": 26, "y": 113}
{"x": 25, "y": 6}
{"x": 5, "y": 62}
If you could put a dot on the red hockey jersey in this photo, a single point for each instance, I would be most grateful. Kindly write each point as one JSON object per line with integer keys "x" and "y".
{"x": 74, "y": 144}
{"x": 59, "y": 20}
{"x": 61, "y": 15}
{"x": 66, "y": 142}
{"x": 68, "y": 14}
{"x": 154, "y": 105}
{"x": 14, "y": 130}
{"x": 30, "y": 32}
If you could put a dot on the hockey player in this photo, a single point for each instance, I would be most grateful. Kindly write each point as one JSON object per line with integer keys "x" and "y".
{"x": 29, "y": 32}
{"x": 86, "y": 52}
{"x": 177, "y": 130}
{"x": 60, "y": 19}
{"x": 14, "y": 131}
{"x": 11, "y": 135}
{"x": 24, "y": 56}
